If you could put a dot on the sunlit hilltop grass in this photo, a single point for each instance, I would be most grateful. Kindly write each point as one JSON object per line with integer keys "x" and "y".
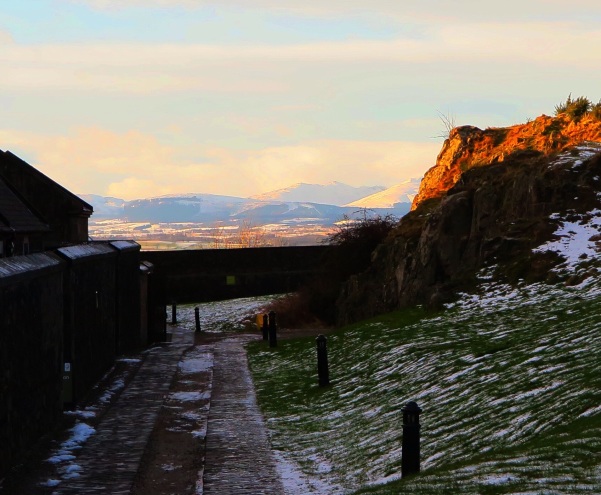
{"x": 509, "y": 381}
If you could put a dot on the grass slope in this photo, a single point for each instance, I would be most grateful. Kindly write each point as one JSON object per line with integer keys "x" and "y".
{"x": 509, "y": 381}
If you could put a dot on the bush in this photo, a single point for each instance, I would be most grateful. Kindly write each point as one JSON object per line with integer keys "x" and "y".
{"x": 575, "y": 109}
{"x": 596, "y": 111}
{"x": 351, "y": 247}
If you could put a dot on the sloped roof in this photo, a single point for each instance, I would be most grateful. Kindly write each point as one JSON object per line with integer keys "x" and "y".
{"x": 12, "y": 166}
{"x": 15, "y": 216}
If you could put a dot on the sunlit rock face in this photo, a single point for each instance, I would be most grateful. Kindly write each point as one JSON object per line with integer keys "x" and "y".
{"x": 469, "y": 147}
{"x": 492, "y": 199}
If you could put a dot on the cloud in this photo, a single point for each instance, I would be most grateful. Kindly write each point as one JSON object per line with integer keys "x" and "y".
{"x": 88, "y": 159}
{"x": 267, "y": 69}
{"x": 146, "y": 4}
{"x": 131, "y": 165}
{"x": 134, "y": 188}
{"x": 5, "y": 37}
{"x": 416, "y": 11}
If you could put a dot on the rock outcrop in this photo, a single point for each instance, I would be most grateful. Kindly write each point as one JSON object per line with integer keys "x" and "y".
{"x": 488, "y": 201}
{"x": 469, "y": 147}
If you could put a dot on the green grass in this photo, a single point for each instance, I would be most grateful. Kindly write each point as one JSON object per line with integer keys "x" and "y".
{"x": 509, "y": 382}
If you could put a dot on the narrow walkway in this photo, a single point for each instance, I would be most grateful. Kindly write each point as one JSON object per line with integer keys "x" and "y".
{"x": 110, "y": 458}
{"x": 238, "y": 456}
{"x": 152, "y": 439}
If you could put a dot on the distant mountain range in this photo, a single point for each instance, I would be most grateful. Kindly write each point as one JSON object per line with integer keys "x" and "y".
{"x": 334, "y": 193}
{"x": 323, "y": 204}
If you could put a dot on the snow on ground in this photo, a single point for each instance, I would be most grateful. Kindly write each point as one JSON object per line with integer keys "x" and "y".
{"x": 64, "y": 456}
{"x": 297, "y": 483}
{"x": 584, "y": 151}
{"x": 502, "y": 366}
{"x": 576, "y": 240}
{"x": 224, "y": 316}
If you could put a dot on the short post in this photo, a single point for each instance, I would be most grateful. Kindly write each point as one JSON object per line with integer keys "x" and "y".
{"x": 273, "y": 339}
{"x": 197, "y": 318}
{"x": 173, "y": 313}
{"x": 265, "y": 327}
{"x": 322, "y": 360}
{"x": 410, "y": 447}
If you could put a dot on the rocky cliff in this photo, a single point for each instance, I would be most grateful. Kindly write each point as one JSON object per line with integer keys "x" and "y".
{"x": 492, "y": 197}
{"x": 469, "y": 147}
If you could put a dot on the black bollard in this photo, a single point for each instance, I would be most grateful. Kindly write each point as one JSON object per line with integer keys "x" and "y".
{"x": 410, "y": 447}
{"x": 197, "y": 319}
{"x": 173, "y": 313}
{"x": 322, "y": 360}
{"x": 273, "y": 339}
{"x": 265, "y": 327}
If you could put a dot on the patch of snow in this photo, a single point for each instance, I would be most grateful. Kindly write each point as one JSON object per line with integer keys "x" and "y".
{"x": 81, "y": 413}
{"x": 202, "y": 433}
{"x": 51, "y": 483}
{"x": 170, "y": 467}
{"x": 497, "y": 479}
{"x": 296, "y": 482}
{"x": 190, "y": 416}
{"x": 115, "y": 387}
{"x": 189, "y": 396}
{"x": 57, "y": 459}
{"x": 574, "y": 240}
{"x": 71, "y": 471}
{"x": 79, "y": 435}
{"x": 196, "y": 364}
{"x": 591, "y": 412}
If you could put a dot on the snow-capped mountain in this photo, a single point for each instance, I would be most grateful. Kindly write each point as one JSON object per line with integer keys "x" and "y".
{"x": 322, "y": 204}
{"x": 400, "y": 193}
{"x": 334, "y": 193}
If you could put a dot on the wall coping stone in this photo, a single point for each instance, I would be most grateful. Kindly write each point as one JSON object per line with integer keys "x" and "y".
{"x": 86, "y": 252}
{"x": 125, "y": 245}
{"x": 27, "y": 266}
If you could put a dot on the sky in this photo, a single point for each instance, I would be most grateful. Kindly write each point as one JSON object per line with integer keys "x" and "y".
{"x": 141, "y": 98}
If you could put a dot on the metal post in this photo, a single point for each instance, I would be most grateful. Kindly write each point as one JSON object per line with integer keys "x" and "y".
{"x": 410, "y": 448}
{"x": 273, "y": 339}
{"x": 173, "y": 313}
{"x": 197, "y": 318}
{"x": 322, "y": 360}
{"x": 265, "y": 327}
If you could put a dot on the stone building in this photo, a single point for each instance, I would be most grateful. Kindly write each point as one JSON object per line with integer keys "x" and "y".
{"x": 36, "y": 213}
{"x": 21, "y": 231}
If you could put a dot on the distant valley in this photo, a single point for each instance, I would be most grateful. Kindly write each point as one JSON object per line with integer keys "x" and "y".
{"x": 298, "y": 215}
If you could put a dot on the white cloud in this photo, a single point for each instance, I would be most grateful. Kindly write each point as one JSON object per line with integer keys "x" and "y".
{"x": 132, "y": 165}
{"x": 134, "y": 188}
{"x": 5, "y": 37}
{"x": 420, "y": 12}
{"x": 252, "y": 69}
{"x": 121, "y": 4}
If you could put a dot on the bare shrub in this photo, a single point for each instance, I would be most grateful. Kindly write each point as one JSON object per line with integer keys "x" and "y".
{"x": 351, "y": 247}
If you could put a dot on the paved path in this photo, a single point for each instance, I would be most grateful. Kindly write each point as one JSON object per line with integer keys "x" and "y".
{"x": 239, "y": 460}
{"x": 110, "y": 458}
{"x": 113, "y": 460}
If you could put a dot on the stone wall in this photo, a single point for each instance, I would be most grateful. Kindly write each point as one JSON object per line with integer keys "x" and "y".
{"x": 128, "y": 333}
{"x": 65, "y": 316}
{"x": 31, "y": 358}
{"x": 90, "y": 313}
{"x": 211, "y": 274}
